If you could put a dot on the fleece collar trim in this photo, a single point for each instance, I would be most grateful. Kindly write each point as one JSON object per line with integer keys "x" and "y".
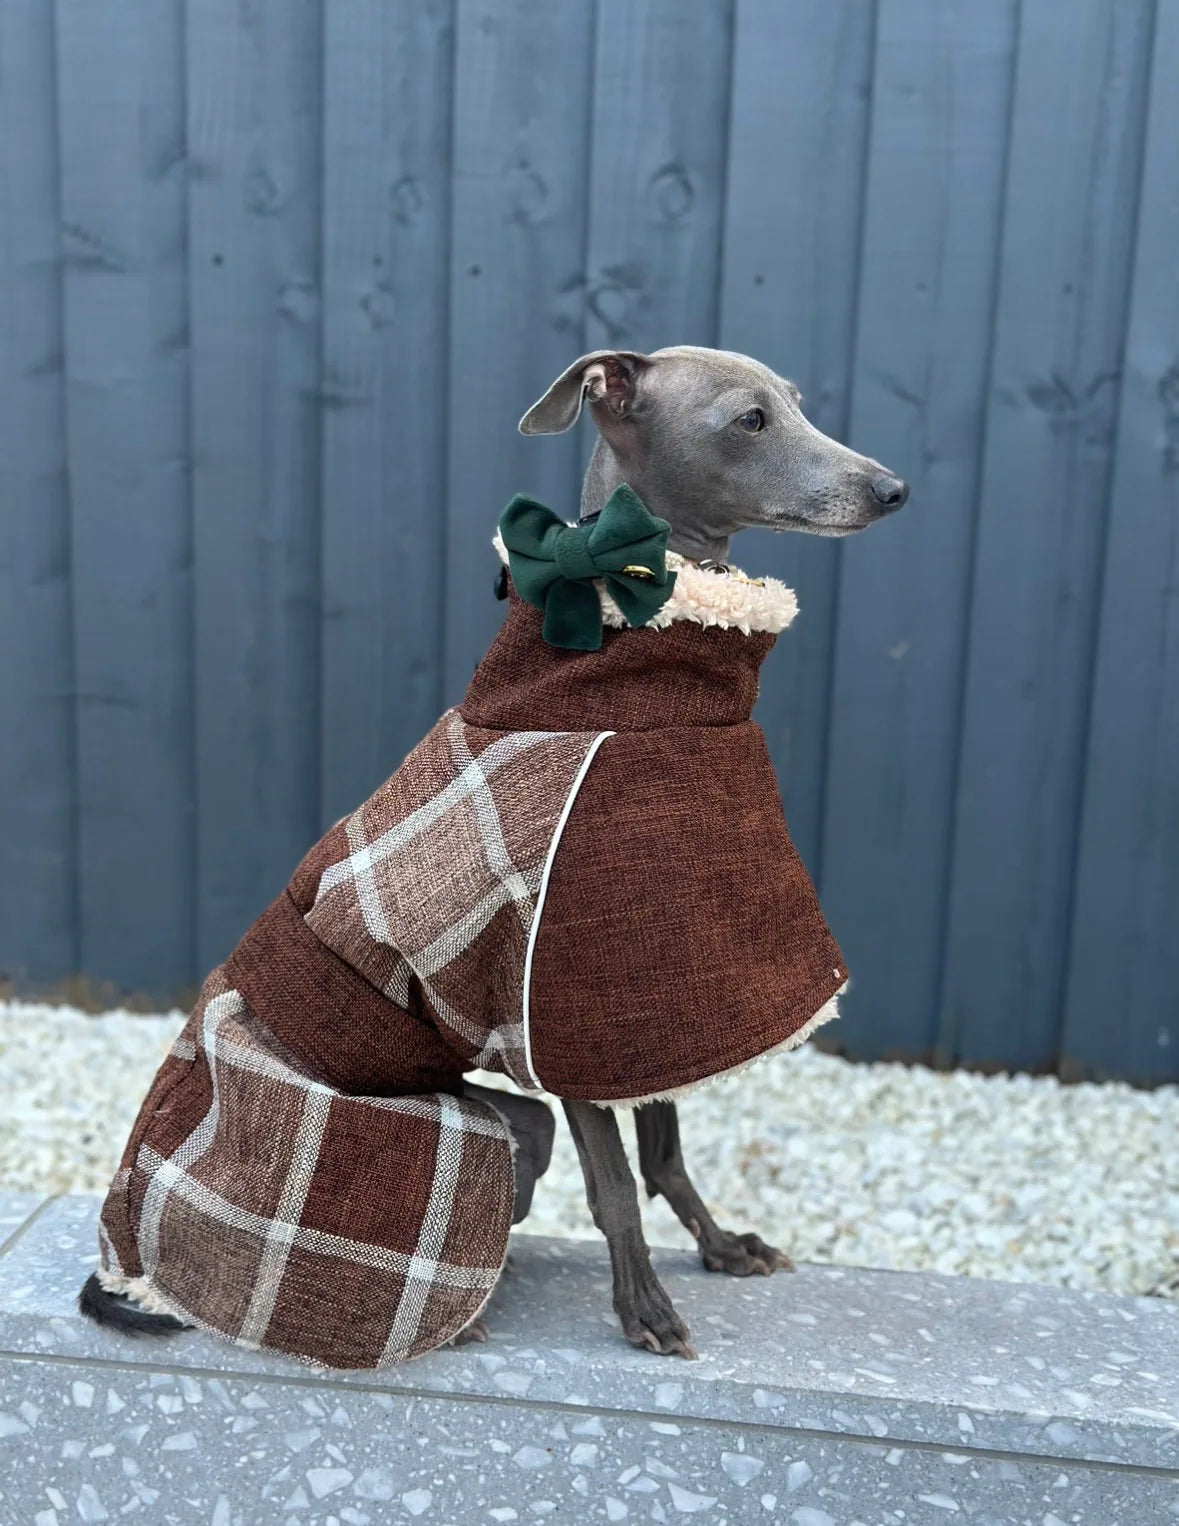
{"x": 727, "y": 599}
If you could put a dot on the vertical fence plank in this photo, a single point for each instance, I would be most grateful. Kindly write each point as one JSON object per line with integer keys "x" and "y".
{"x": 120, "y": 102}
{"x": 662, "y": 79}
{"x": 801, "y": 87}
{"x": 1070, "y": 212}
{"x": 931, "y": 236}
{"x": 521, "y": 119}
{"x": 1122, "y": 1016}
{"x": 254, "y": 120}
{"x": 387, "y": 108}
{"x": 37, "y": 931}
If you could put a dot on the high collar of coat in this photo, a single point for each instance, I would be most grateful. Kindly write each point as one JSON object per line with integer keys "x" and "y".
{"x": 727, "y": 599}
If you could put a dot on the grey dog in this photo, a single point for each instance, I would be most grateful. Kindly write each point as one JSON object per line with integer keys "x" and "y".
{"x": 712, "y": 442}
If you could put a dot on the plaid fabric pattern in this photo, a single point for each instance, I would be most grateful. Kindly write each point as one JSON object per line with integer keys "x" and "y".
{"x": 442, "y": 875}
{"x": 264, "y": 1194}
{"x": 305, "y": 1173}
{"x": 259, "y": 1203}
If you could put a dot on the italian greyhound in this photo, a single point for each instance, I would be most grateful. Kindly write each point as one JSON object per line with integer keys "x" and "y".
{"x": 713, "y": 442}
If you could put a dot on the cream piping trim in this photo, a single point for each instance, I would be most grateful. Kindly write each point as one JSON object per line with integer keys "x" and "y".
{"x": 540, "y": 898}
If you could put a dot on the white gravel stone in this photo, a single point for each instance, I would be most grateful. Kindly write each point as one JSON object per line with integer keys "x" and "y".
{"x": 883, "y": 1165}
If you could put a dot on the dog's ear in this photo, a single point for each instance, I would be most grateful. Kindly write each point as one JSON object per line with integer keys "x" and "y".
{"x": 604, "y": 376}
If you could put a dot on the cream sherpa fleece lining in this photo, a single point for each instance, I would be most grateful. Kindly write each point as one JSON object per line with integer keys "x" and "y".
{"x": 826, "y": 1013}
{"x": 728, "y": 599}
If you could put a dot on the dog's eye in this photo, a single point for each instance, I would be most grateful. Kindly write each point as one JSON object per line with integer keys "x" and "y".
{"x": 752, "y": 421}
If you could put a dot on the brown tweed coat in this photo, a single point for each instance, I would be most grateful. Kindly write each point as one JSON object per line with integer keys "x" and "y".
{"x": 580, "y": 878}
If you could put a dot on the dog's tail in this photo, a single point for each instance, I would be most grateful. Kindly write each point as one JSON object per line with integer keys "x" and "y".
{"x": 117, "y": 1312}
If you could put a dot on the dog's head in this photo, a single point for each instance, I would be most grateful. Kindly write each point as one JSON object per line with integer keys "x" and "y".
{"x": 716, "y": 442}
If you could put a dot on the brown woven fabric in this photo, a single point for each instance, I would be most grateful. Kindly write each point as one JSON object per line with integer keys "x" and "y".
{"x": 693, "y": 927}
{"x": 341, "y": 1029}
{"x": 582, "y": 879}
{"x": 441, "y": 877}
{"x": 676, "y": 895}
{"x": 264, "y": 1205}
{"x": 640, "y": 680}
{"x": 304, "y": 1173}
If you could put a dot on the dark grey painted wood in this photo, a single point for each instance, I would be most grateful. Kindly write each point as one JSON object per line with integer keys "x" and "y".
{"x": 934, "y": 196}
{"x": 386, "y": 230}
{"x": 121, "y": 123}
{"x": 802, "y": 76}
{"x": 662, "y": 90}
{"x": 38, "y": 925}
{"x": 1122, "y": 1016}
{"x": 1071, "y": 200}
{"x": 520, "y": 141}
{"x": 254, "y": 119}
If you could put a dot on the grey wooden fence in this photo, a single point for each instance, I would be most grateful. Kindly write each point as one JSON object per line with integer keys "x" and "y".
{"x": 278, "y": 276}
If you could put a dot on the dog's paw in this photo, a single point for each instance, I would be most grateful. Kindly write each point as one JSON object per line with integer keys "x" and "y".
{"x": 475, "y": 1331}
{"x": 652, "y": 1322}
{"x": 740, "y": 1255}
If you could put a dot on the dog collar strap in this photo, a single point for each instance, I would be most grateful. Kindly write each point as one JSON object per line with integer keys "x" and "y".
{"x": 554, "y": 565}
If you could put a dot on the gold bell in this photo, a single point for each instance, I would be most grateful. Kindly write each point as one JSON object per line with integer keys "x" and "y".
{"x": 640, "y": 572}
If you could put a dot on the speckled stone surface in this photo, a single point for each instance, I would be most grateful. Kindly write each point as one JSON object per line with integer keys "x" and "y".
{"x": 829, "y": 1398}
{"x": 16, "y": 1209}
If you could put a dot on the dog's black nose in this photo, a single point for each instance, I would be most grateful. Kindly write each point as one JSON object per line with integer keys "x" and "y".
{"x": 890, "y": 491}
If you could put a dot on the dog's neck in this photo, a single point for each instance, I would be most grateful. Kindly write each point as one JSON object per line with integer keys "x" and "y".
{"x": 605, "y": 473}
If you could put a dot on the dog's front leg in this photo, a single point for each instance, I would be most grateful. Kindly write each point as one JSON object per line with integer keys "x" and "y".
{"x": 647, "y": 1313}
{"x": 662, "y": 1164}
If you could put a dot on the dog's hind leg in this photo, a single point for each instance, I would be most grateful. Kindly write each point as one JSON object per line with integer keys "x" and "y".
{"x": 533, "y": 1127}
{"x": 662, "y": 1163}
{"x": 647, "y": 1313}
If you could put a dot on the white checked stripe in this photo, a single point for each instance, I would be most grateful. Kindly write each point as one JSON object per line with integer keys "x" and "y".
{"x": 499, "y": 860}
{"x": 227, "y": 1005}
{"x": 110, "y": 1256}
{"x": 317, "y": 1241}
{"x": 458, "y": 937}
{"x": 423, "y": 1272}
{"x": 427, "y": 1106}
{"x": 360, "y": 864}
{"x": 504, "y": 1038}
{"x": 501, "y": 1039}
{"x": 397, "y": 986}
{"x": 283, "y": 1227}
{"x": 472, "y": 779}
{"x": 430, "y": 1106}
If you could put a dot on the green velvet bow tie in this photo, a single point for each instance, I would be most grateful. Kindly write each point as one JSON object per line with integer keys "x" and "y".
{"x": 553, "y": 565}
